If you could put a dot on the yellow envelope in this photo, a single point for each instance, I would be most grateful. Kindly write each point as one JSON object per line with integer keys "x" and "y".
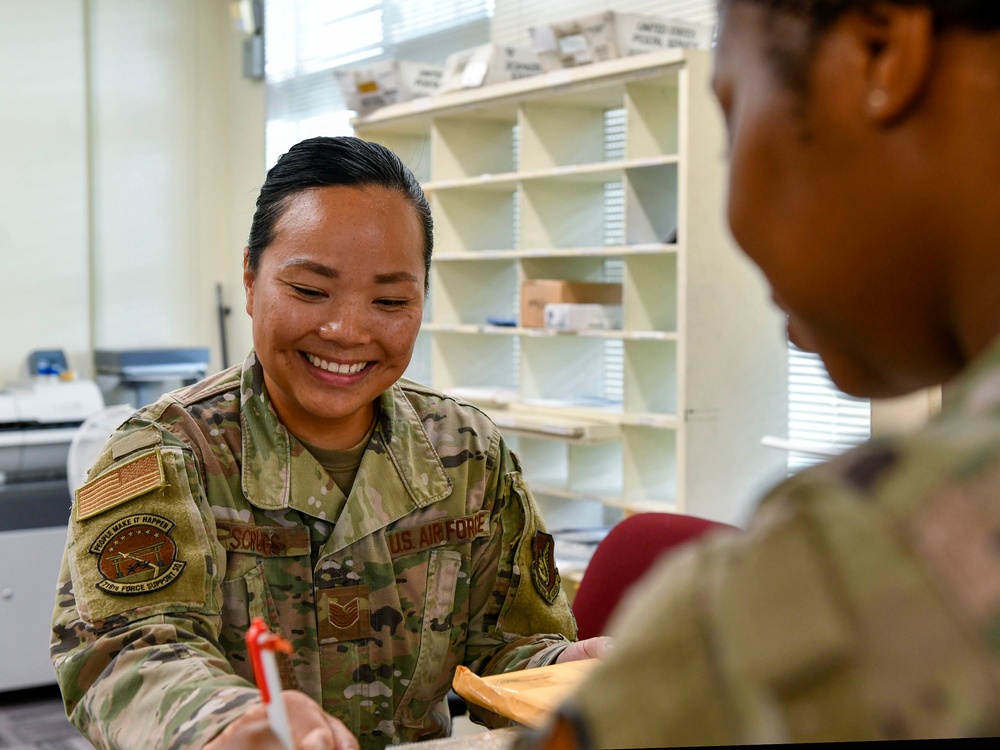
{"x": 527, "y": 696}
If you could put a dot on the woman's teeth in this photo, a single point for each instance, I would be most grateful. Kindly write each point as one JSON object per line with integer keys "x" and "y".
{"x": 334, "y": 367}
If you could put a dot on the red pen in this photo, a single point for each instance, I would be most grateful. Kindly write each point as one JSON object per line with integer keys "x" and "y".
{"x": 262, "y": 644}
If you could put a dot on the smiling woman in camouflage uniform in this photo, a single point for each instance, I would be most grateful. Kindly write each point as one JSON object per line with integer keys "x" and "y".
{"x": 381, "y": 527}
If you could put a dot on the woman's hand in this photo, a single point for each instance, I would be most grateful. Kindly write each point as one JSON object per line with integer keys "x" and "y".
{"x": 312, "y": 728}
{"x": 592, "y": 648}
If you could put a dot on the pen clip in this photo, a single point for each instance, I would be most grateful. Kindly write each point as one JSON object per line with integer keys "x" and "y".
{"x": 260, "y": 639}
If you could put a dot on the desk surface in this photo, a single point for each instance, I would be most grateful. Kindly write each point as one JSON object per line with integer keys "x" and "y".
{"x": 495, "y": 739}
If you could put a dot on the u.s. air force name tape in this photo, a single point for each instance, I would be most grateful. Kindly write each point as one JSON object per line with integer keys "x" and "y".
{"x": 442, "y": 531}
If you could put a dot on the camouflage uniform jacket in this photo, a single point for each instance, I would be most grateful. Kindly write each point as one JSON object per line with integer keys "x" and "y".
{"x": 203, "y": 512}
{"x": 863, "y": 602}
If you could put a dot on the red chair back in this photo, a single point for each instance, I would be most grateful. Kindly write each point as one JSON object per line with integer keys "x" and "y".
{"x": 623, "y": 557}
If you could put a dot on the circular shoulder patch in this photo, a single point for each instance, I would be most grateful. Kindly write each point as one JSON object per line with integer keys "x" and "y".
{"x": 136, "y": 555}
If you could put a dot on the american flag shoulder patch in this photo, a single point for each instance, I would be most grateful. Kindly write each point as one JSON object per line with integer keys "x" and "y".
{"x": 130, "y": 480}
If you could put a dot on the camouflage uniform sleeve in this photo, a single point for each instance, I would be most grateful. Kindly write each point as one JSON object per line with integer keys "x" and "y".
{"x": 841, "y": 614}
{"x": 519, "y": 615}
{"x": 135, "y": 629}
{"x": 711, "y": 650}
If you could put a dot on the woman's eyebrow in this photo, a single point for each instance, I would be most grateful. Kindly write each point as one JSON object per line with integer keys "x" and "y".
{"x": 395, "y": 278}
{"x": 311, "y": 265}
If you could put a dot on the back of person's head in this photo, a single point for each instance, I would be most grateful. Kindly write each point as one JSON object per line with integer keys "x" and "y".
{"x": 972, "y": 14}
{"x": 330, "y": 162}
{"x": 791, "y": 53}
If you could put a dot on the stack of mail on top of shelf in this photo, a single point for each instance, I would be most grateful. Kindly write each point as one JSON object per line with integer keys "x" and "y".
{"x": 606, "y": 36}
{"x": 368, "y": 87}
{"x": 488, "y": 64}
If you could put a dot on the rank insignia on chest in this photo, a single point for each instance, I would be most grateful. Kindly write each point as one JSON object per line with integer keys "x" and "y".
{"x": 344, "y": 614}
{"x": 136, "y": 555}
{"x": 544, "y": 573}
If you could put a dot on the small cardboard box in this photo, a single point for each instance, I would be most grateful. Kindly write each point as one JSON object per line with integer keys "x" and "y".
{"x": 377, "y": 84}
{"x": 605, "y": 36}
{"x": 536, "y": 293}
{"x": 487, "y": 64}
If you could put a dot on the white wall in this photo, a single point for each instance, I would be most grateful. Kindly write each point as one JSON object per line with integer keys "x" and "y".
{"x": 139, "y": 151}
{"x": 172, "y": 197}
{"x": 44, "y": 295}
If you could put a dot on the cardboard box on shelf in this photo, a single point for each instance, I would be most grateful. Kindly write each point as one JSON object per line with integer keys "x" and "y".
{"x": 368, "y": 87}
{"x": 488, "y": 64}
{"x": 536, "y": 293}
{"x": 605, "y": 36}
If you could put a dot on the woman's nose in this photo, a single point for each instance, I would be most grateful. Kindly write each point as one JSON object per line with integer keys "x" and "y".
{"x": 346, "y": 324}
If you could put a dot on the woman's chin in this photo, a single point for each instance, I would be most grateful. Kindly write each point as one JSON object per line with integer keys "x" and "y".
{"x": 799, "y": 337}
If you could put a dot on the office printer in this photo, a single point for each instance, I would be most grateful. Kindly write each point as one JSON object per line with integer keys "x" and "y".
{"x": 38, "y": 419}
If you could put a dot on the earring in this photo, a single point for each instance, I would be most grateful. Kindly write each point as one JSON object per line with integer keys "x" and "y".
{"x": 877, "y": 99}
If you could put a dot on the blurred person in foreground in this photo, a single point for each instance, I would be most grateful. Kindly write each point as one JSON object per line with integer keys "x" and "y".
{"x": 381, "y": 527}
{"x": 863, "y": 601}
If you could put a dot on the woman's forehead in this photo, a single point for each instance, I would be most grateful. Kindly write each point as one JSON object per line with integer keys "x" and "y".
{"x": 369, "y": 219}
{"x": 308, "y": 203}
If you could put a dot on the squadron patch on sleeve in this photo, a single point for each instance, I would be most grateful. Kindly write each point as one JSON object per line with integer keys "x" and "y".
{"x": 544, "y": 573}
{"x": 136, "y": 555}
{"x": 130, "y": 480}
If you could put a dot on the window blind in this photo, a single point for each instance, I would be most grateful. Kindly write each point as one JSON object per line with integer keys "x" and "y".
{"x": 307, "y": 40}
{"x": 820, "y": 414}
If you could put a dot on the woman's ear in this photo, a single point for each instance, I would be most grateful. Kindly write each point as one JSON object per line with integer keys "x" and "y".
{"x": 248, "y": 279}
{"x": 899, "y": 44}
